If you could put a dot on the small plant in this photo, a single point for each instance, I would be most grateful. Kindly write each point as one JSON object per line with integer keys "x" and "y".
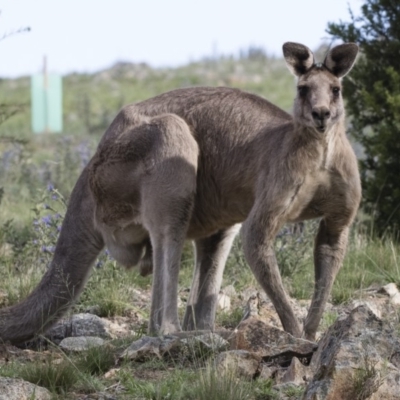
{"x": 294, "y": 392}
{"x": 328, "y": 318}
{"x": 214, "y": 385}
{"x": 230, "y": 319}
{"x": 366, "y": 380}
{"x": 263, "y": 390}
{"x": 97, "y": 360}
{"x": 49, "y": 214}
{"x": 58, "y": 378}
{"x": 170, "y": 387}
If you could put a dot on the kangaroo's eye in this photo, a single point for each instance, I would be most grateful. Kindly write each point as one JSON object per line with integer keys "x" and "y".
{"x": 302, "y": 90}
{"x": 336, "y": 91}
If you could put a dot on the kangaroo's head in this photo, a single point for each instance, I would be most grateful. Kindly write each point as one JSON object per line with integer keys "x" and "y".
{"x": 319, "y": 104}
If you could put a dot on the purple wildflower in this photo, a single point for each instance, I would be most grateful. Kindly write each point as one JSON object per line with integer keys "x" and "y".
{"x": 48, "y": 249}
{"x": 47, "y": 220}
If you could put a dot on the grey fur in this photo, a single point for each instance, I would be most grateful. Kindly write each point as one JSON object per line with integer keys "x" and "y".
{"x": 193, "y": 164}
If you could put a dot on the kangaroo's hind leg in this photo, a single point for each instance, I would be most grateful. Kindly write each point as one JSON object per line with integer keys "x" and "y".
{"x": 211, "y": 255}
{"x": 167, "y": 199}
{"x": 144, "y": 181}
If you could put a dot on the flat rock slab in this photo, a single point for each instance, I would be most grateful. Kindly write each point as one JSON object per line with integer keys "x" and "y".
{"x": 17, "y": 389}
{"x": 149, "y": 347}
{"x": 80, "y": 343}
{"x": 196, "y": 346}
{"x": 270, "y": 343}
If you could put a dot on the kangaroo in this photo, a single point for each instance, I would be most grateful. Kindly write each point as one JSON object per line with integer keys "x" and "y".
{"x": 194, "y": 164}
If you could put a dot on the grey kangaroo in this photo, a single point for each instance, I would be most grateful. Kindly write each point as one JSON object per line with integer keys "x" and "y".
{"x": 193, "y": 164}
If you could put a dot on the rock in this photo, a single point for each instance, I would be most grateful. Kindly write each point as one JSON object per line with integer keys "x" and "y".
{"x": 297, "y": 373}
{"x": 267, "y": 372}
{"x": 353, "y": 360}
{"x": 270, "y": 343}
{"x": 112, "y": 373}
{"x": 369, "y": 304}
{"x": 390, "y": 289}
{"x": 393, "y": 292}
{"x": 395, "y": 359}
{"x": 17, "y": 389}
{"x": 79, "y": 325}
{"x": 224, "y": 302}
{"x": 242, "y": 362}
{"x": 148, "y": 347}
{"x": 80, "y": 343}
{"x": 252, "y": 307}
{"x": 195, "y": 346}
{"x": 207, "y": 342}
{"x": 278, "y": 376}
{"x": 395, "y": 300}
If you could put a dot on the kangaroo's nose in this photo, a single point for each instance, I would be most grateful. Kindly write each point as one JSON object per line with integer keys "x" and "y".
{"x": 320, "y": 113}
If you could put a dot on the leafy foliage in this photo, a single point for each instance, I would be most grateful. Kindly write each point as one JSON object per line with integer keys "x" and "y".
{"x": 373, "y": 101}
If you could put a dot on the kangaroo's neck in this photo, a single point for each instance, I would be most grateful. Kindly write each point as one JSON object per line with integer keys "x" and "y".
{"x": 317, "y": 147}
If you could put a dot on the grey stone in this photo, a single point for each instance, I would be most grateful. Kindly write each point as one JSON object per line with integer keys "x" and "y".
{"x": 80, "y": 343}
{"x": 241, "y": 362}
{"x": 79, "y": 325}
{"x": 17, "y": 389}
{"x": 297, "y": 373}
{"x": 269, "y": 342}
{"x": 148, "y": 347}
{"x": 353, "y": 359}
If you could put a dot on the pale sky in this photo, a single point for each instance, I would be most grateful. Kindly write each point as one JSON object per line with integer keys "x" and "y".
{"x": 89, "y": 35}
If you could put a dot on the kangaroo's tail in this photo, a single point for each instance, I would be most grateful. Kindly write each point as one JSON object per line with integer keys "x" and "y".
{"x": 77, "y": 248}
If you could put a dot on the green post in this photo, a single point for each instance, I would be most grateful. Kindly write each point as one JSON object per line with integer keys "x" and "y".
{"x": 46, "y": 95}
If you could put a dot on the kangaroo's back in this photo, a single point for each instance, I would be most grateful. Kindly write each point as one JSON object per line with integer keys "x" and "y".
{"x": 231, "y": 128}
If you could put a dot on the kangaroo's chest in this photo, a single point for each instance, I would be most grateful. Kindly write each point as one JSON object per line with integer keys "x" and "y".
{"x": 312, "y": 197}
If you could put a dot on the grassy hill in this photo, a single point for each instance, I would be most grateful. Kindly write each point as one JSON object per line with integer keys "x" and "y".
{"x": 92, "y": 100}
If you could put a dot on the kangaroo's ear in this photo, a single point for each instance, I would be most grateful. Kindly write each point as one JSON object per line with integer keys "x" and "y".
{"x": 340, "y": 59}
{"x": 299, "y": 58}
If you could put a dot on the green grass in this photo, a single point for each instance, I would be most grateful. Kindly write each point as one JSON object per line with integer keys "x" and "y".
{"x": 230, "y": 319}
{"x": 57, "y": 377}
{"x": 97, "y": 360}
